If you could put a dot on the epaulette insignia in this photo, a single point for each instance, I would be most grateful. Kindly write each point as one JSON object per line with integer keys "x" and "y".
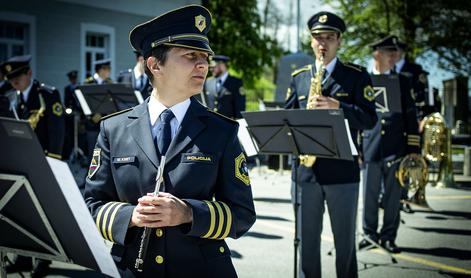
{"x": 241, "y": 170}
{"x": 354, "y": 66}
{"x": 49, "y": 89}
{"x": 296, "y": 72}
{"x": 116, "y": 113}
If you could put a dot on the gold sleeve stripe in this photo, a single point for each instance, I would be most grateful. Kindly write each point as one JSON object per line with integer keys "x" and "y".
{"x": 221, "y": 220}
{"x": 105, "y": 217}
{"x": 100, "y": 212}
{"x": 228, "y": 222}
{"x": 213, "y": 220}
{"x": 53, "y": 155}
{"x": 413, "y": 144}
{"x": 110, "y": 224}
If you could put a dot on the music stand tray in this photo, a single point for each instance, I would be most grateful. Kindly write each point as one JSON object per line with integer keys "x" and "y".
{"x": 42, "y": 213}
{"x": 107, "y": 98}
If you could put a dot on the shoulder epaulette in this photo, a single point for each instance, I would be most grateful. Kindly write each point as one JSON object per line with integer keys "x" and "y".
{"x": 89, "y": 79}
{"x": 305, "y": 68}
{"x": 48, "y": 88}
{"x": 223, "y": 117}
{"x": 116, "y": 113}
{"x": 355, "y": 66}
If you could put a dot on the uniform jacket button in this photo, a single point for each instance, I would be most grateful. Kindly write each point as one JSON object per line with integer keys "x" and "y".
{"x": 159, "y": 259}
{"x": 383, "y": 121}
{"x": 159, "y": 232}
{"x": 221, "y": 249}
{"x": 382, "y": 132}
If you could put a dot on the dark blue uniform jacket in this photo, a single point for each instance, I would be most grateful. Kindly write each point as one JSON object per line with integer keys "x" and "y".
{"x": 205, "y": 167}
{"x": 351, "y": 85}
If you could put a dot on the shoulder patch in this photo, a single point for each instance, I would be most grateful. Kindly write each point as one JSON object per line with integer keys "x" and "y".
{"x": 369, "y": 93}
{"x": 241, "y": 170}
{"x": 95, "y": 163}
{"x": 223, "y": 117}
{"x": 116, "y": 113}
{"x": 298, "y": 71}
{"x": 354, "y": 66}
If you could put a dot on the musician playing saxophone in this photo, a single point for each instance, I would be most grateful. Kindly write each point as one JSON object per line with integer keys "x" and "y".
{"x": 336, "y": 182}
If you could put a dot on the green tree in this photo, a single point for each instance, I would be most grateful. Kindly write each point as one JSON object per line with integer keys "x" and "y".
{"x": 441, "y": 27}
{"x": 236, "y": 32}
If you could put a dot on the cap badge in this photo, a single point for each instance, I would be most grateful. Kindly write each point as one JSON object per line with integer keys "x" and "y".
{"x": 8, "y": 67}
{"x": 200, "y": 22}
{"x": 323, "y": 18}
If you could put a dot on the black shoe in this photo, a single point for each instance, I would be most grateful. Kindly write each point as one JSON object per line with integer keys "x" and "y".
{"x": 41, "y": 269}
{"x": 406, "y": 208}
{"x": 364, "y": 243}
{"x": 390, "y": 246}
{"x": 20, "y": 264}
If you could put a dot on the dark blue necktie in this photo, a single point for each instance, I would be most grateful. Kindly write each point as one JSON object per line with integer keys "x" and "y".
{"x": 164, "y": 131}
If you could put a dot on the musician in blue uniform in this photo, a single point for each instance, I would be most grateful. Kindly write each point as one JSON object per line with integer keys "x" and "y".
{"x": 335, "y": 182}
{"x": 137, "y": 77}
{"x": 224, "y": 93}
{"x": 40, "y": 104}
{"x": 394, "y": 136}
{"x": 102, "y": 73}
{"x": 206, "y": 195}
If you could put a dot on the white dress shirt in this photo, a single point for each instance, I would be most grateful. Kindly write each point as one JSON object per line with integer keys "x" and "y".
{"x": 156, "y": 108}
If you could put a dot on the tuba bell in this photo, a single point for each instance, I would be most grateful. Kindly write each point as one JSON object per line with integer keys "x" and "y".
{"x": 436, "y": 149}
{"x": 413, "y": 175}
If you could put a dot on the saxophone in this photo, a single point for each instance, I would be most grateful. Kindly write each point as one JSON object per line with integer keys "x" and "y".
{"x": 36, "y": 115}
{"x": 315, "y": 90}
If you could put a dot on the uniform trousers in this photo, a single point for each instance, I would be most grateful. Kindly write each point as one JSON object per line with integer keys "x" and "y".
{"x": 342, "y": 201}
{"x": 375, "y": 174}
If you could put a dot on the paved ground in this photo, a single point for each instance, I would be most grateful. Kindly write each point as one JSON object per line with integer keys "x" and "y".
{"x": 436, "y": 243}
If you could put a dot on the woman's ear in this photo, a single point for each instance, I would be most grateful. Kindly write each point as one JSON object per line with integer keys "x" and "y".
{"x": 153, "y": 65}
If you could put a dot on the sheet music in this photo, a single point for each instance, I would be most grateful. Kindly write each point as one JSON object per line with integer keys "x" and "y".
{"x": 83, "y": 102}
{"x": 245, "y": 139}
{"x": 82, "y": 215}
{"x": 350, "y": 139}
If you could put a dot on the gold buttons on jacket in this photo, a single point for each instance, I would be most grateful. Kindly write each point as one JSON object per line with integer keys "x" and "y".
{"x": 159, "y": 232}
{"x": 159, "y": 259}
{"x": 221, "y": 249}
{"x": 382, "y": 132}
{"x": 383, "y": 121}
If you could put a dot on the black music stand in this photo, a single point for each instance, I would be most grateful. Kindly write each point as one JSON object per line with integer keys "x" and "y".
{"x": 42, "y": 213}
{"x": 315, "y": 132}
{"x": 387, "y": 93}
{"x": 107, "y": 98}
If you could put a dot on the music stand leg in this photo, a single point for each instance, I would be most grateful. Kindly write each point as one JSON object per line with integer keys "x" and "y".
{"x": 296, "y": 210}
{"x": 3, "y": 264}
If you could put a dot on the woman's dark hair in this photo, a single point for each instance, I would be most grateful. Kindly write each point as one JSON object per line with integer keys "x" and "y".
{"x": 160, "y": 53}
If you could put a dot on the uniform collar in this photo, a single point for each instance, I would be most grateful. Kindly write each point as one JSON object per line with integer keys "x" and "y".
{"x": 224, "y": 77}
{"x": 330, "y": 66}
{"x": 156, "y": 108}
{"x": 376, "y": 72}
{"x": 26, "y": 92}
{"x": 98, "y": 79}
{"x": 400, "y": 64}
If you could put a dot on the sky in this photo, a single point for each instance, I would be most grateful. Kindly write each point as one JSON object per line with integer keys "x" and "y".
{"x": 287, "y": 35}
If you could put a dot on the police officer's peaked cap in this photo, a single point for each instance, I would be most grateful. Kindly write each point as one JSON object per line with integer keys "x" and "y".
{"x": 220, "y": 58}
{"x": 389, "y": 42}
{"x": 103, "y": 62}
{"x": 326, "y": 22}
{"x": 401, "y": 45}
{"x": 72, "y": 74}
{"x": 15, "y": 66}
{"x": 185, "y": 27}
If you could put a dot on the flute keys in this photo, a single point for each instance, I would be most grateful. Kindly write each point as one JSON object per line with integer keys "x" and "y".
{"x": 159, "y": 232}
{"x": 159, "y": 259}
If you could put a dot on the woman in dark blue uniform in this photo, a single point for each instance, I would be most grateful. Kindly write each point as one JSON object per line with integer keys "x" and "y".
{"x": 206, "y": 195}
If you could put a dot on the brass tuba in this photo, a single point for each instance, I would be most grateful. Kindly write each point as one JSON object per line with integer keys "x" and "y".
{"x": 437, "y": 148}
{"x": 315, "y": 90}
{"x": 36, "y": 115}
{"x": 413, "y": 175}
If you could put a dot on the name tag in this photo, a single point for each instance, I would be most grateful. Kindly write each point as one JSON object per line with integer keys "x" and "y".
{"x": 124, "y": 159}
{"x": 197, "y": 157}
{"x": 341, "y": 94}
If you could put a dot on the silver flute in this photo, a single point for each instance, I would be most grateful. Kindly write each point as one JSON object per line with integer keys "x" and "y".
{"x": 159, "y": 181}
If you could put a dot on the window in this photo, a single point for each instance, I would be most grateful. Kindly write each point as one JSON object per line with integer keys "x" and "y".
{"x": 17, "y": 36}
{"x": 97, "y": 44}
{"x": 13, "y": 39}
